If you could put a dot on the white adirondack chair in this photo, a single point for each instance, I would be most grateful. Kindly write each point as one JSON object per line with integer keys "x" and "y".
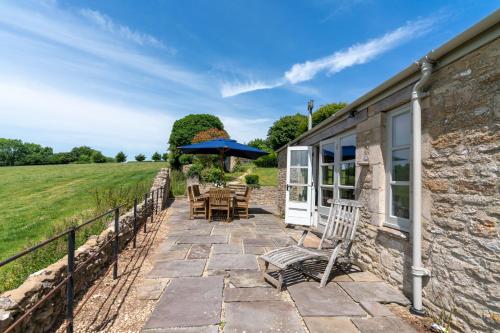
{"x": 338, "y": 234}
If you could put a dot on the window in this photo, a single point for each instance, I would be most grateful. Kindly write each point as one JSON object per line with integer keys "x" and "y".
{"x": 337, "y": 169}
{"x": 398, "y": 169}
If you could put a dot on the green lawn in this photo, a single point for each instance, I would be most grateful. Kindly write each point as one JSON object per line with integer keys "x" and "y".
{"x": 267, "y": 176}
{"x": 36, "y": 201}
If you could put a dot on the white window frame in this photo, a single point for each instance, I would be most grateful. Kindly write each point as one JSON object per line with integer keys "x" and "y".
{"x": 395, "y": 221}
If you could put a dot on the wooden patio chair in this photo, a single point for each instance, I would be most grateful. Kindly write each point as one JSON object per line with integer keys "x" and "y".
{"x": 196, "y": 205}
{"x": 242, "y": 202}
{"x": 219, "y": 200}
{"x": 338, "y": 235}
{"x": 239, "y": 189}
{"x": 196, "y": 191}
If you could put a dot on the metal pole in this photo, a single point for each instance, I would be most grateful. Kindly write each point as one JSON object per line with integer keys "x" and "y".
{"x": 152, "y": 205}
{"x": 145, "y": 210}
{"x": 70, "y": 282}
{"x": 135, "y": 224}
{"x": 117, "y": 243}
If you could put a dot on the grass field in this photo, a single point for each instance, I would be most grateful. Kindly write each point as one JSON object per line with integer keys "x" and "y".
{"x": 36, "y": 201}
{"x": 267, "y": 176}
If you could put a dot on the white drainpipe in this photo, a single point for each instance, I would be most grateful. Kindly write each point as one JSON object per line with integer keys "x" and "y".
{"x": 418, "y": 271}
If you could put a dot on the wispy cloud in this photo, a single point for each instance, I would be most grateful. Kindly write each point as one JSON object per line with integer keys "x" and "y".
{"x": 106, "y": 23}
{"x": 359, "y": 53}
{"x": 236, "y": 88}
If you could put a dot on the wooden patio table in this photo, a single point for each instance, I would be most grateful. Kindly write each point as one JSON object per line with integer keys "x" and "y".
{"x": 206, "y": 196}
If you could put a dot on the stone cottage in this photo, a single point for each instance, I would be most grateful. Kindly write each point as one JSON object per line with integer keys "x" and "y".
{"x": 421, "y": 152}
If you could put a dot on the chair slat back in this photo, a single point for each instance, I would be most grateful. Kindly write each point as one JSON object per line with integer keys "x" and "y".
{"x": 342, "y": 220}
{"x": 196, "y": 190}
{"x": 190, "y": 194}
{"x": 219, "y": 196}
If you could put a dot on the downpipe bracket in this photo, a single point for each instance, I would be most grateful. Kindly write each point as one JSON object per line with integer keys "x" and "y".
{"x": 420, "y": 271}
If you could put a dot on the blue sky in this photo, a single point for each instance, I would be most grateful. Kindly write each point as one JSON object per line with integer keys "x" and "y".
{"x": 116, "y": 74}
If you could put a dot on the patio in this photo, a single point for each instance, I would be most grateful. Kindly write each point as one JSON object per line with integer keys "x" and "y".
{"x": 207, "y": 279}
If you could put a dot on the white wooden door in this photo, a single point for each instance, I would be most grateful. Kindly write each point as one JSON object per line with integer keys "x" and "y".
{"x": 299, "y": 186}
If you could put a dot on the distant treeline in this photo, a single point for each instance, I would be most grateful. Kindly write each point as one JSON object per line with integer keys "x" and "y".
{"x": 17, "y": 152}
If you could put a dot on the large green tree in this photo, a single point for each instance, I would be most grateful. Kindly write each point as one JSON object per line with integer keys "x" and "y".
{"x": 285, "y": 130}
{"x": 185, "y": 129}
{"x": 121, "y": 157}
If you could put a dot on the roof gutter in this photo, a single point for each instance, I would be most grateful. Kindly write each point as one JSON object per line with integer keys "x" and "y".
{"x": 434, "y": 55}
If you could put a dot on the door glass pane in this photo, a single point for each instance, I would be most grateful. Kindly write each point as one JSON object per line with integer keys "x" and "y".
{"x": 328, "y": 153}
{"x": 401, "y": 132}
{"x": 326, "y": 194}
{"x": 345, "y": 193}
{"x": 298, "y": 176}
{"x": 298, "y": 157}
{"x": 401, "y": 201}
{"x": 401, "y": 165}
{"x": 348, "y": 148}
{"x": 298, "y": 193}
{"x": 347, "y": 173}
{"x": 327, "y": 175}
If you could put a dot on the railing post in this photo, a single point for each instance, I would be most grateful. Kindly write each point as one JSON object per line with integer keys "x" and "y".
{"x": 117, "y": 243}
{"x": 70, "y": 281}
{"x": 145, "y": 210}
{"x": 152, "y": 205}
{"x": 135, "y": 224}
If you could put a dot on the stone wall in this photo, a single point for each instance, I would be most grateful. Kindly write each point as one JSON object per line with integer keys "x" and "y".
{"x": 13, "y": 303}
{"x": 280, "y": 197}
{"x": 263, "y": 196}
{"x": 461, "y": 200}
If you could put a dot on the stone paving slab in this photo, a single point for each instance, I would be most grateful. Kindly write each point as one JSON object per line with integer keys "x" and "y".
{"x": 258, "y": 250}
{"x": 247, "y": 279}
{"x": 259, "y": 317}
{"x": 313, "y": 301}
{"x": 218, "y": 239}
{"x": 232, "y": 261}
{"x": 201, "y": 329}
{"x": 188, "y": 302}
{"x": 258, "y": 242}
{"x": 151, "y": 288}
{"x": 364, "y": 277}
{"x": 251, "y": 294}
{"x": 376, "y": 309}
{"x": 330, "y": 325}
{"x": 177, "y": 268}
{"x": 374, "y": 292}
{"x": 383, "y": 324}
{"x": 199, "y": 251}
{"x": 175, "y": 252}
{"x": 226, "y": 249}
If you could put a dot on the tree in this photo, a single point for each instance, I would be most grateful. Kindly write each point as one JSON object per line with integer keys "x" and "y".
{"x": 259, "y": 144}
{"x": 156, "y": 157}
{"x": 285, "y": 130}
{"x": 97, "y": 157}
{"x": 324, "y": 112}
{"x": 184, "y": 130}
{"x": 164, "y": 157}
{"x": 266, "y": 161}
{"x": 140, "y": 157}
{"x": 121, "y": 157}
{"x": 210, "y": 134}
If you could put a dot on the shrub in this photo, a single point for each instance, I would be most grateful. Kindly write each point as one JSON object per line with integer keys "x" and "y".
{"x": 240, "y": 167}
{"x": 195, "y": 170}
{"x": 185, "y": 159}
{"x": 252, "y": 180}
{"x": 267, "y": 161}
{"x": 212, "y": 175}
{"x": 97, "y": 157}
{"x": 177, "y": 183}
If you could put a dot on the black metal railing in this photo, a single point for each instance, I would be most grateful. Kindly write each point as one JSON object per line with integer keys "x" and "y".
{"x": 153, "y": 200}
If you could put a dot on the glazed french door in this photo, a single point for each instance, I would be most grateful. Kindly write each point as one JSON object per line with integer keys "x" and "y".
{"x": 337, "y": 171}
{"x": 299, "y": 186}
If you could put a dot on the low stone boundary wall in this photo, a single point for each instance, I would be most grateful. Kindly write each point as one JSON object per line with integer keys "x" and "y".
{"x": 265, "y": 196}
{"x": 14, "y": 303}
